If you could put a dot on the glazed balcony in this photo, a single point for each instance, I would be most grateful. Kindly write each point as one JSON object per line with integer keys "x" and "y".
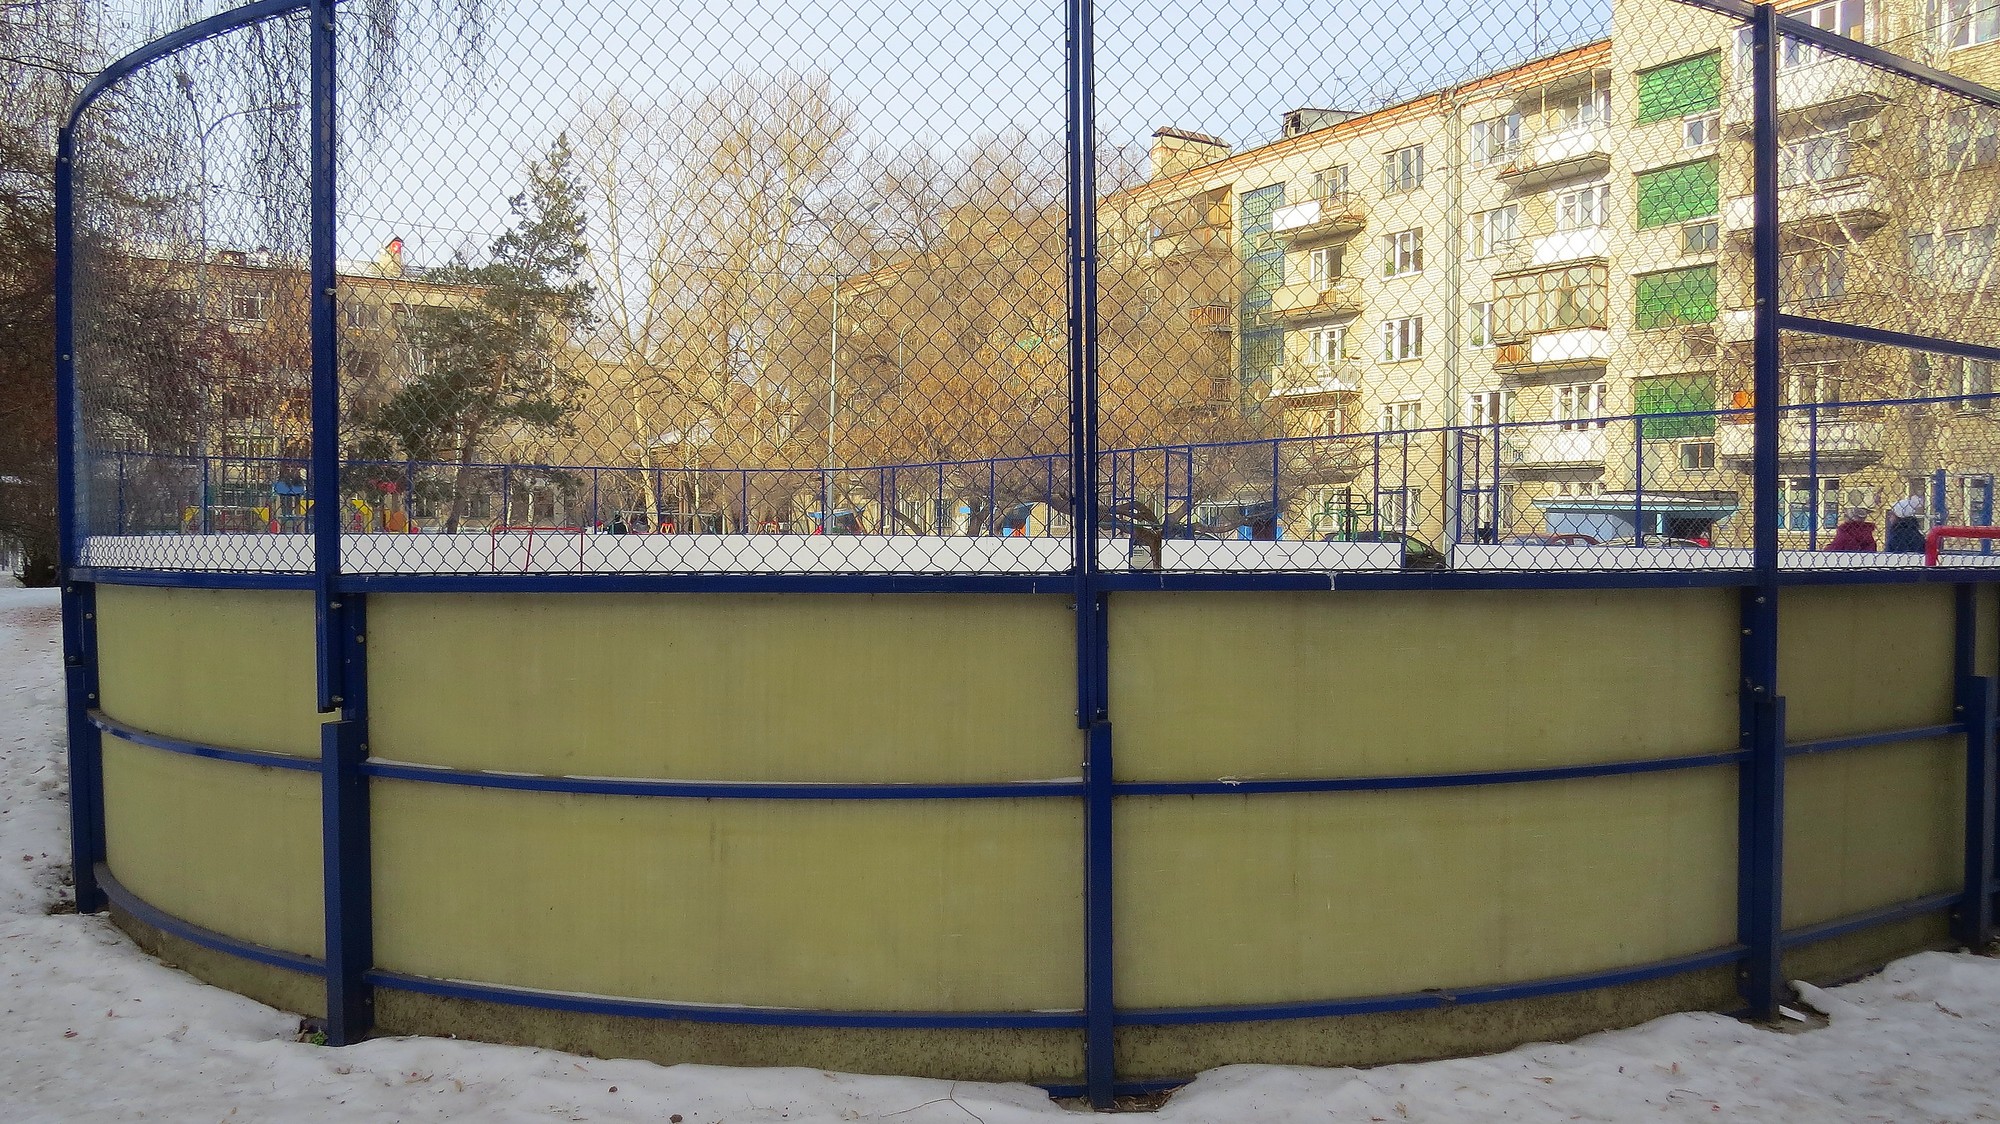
{"x": 1310, "y": 381}
{"x": 1549, "y": 446}
{"x": 1554, "y": 352}
{"x": 1828, "y": 86}
{"x": 1831, "y": 440}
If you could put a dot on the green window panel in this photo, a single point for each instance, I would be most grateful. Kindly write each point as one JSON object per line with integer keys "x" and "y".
{"x": 1676, "y": 296}
{"x": 1677, "y": 89}
{"x": 1679, "y": 193}
{"x": 1673, "y": 395}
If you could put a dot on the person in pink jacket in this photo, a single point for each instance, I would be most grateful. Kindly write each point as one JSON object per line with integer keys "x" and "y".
{"x": 1855, "y": 533}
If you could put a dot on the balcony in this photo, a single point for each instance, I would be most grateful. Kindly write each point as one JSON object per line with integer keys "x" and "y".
{"x": 1212, "y": 316}
{"x": 1324, "y": 460}
{"x": 1547, "y": 251}
{"x": 1333, "y": 216}
{"x": 1557, "y": 154}
{"x": 1308, "y": 381}
{"x": 1828, "y": 85}
{"x": 1737, "y": 326}
{"x": 1340, "y": 296}
{"x": 1849, "y": 440}
{"x": 1851, "y": 206}
{"x": 1550, "y": 447}
{"x": 1194, "y": 242}
{"x": 1554, "y": 352}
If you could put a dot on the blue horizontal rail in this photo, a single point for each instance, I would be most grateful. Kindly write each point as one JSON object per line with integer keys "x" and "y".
{"x": 198, "y": 749}
{"x": 1854, "y": 923}
{"x": 1424, "y": 780}
{"x": 1052, "y": 583}
{"x": 725, "y": 1013}
{"x": 1885, "y": 737}
{"x": 192, "y": 579}
{"x": 720, "y": 790}
{"x": 128, "y": 902}
{"x": 1431, "y": 999}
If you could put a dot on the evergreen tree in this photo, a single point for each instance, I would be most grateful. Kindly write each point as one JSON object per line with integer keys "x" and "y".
{"x": 492, "y": 368}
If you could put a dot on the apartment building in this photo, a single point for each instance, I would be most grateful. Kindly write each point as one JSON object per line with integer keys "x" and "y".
{"x": 1521, "y": 304}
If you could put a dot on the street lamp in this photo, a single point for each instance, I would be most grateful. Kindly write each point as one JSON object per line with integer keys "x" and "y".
{"x": 833, "y": 364}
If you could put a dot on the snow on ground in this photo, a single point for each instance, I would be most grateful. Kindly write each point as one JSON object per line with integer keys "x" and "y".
{"x": 91, "y": 1029}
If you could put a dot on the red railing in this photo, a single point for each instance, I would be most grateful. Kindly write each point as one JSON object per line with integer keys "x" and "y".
{"x": 1939, "y": 534}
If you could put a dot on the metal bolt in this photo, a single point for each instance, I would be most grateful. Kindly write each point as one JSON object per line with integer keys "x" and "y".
{"x": 92, "y": 696}
{"x": 360, "y": 638}
{"x": 333, "y": 604}
{"x": 90, "y": 616}
{"x": 337, "y": 700}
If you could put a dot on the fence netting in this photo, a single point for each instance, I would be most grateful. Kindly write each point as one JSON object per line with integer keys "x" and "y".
{"x": 191, "y": 309}
{"x": 717, "y": 288}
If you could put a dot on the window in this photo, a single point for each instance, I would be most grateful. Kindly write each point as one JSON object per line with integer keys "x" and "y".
{"x": 1971, "y": 137}
{"x": 1578, "y": 406}
{"x": 1679, "y": 193}
{"x": 1328, "y": 345}
{"x": 1403, "y": 253}
{"x": 1489, "y": 407}
{"x": 1674, "y": 297}
{"x": 1697, "y": 455}
{"x": 1330, "y": 183}
{"x": 1679, "y": 398}
{"x": 246, "y": 306}
{"x": 1843, "y": 17}
{"x": 1403, "y": 170}
{"x": 1323, "y": 266}
{"x": 1969, "y": 378}
{"x": 1701, "y": 130}
{"x": 1584, "y": 109}
{"x": 1402, "y": 338}
{"x": 1402, "y": 415}
{"x": 1583, "y": 208}
{"x": 361, "y": 316}
{"x": 1480, "y": 331}
{"x": 1816, "y": 275}
{"x": 1814, "y": 159}
{"x": 1692, "y": 85}
{"x": 1814, "y": 384}
{"x": 1799, "y": 506}
{"x": 1392, "y": 507}
{"x": 1495, "y": 230}
{"x": 1969, "y": 22}
{"x": 1495, "y": 140}
{"x": 1967, "y": 257}
{"x": 1704, "y": 237}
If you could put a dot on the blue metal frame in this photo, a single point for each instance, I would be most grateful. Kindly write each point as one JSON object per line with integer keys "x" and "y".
{"x": 1761, "y": 800}
{"x": 340, "y": 618}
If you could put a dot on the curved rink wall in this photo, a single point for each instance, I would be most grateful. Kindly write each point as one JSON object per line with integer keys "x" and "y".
{"x": 846, "y": 831}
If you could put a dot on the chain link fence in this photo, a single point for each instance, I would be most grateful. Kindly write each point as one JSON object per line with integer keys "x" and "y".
{"x": 731, "y": 290}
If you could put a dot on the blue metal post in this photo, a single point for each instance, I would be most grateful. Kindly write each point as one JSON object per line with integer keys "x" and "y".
{"x": 1639, "y": 481}
{"x": 340, "y": 617}
{"x": 1972, "y": 921}
{"x": 1761, "y": 810}
{"x": 1092, "y": 685}
{"x": 79, "y": 599}
{"x": 121, "y": 493}
{"x": 205, "y": 527}
{"x": 1375, "y": 495}
{"x": 1939, "y": 514}
{"x": 1812, "y": 471}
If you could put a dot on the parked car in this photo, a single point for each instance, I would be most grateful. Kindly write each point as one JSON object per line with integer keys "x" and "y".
{"x": 1417, "y": 554}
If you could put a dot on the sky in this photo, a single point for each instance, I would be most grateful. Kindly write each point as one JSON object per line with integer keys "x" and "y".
{"x": 443, "y": 149}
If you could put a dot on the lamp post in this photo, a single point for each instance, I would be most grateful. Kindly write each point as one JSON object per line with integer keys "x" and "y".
{"x": 201, "y": 255}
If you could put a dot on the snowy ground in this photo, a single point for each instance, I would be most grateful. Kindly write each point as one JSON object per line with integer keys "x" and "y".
{"x": 91, "y": 1029}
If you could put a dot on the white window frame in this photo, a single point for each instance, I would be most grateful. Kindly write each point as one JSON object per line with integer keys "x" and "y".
{"x": 1403, "y": 253}
{"x": 1402, "y": 339}
{"x": 1392, "y": 508}
{"x": 1701, "y": 236}
{"x": 1967, "y": 377}
{"x": 1495, "y": 230}
{"x": 1480, "y": 146}
{"x": 1584, "y": 110}
{"x": 1324, "y": 265}
{"x": 1330, "y": 182}
{"x": 1328, "y": 345}
{"x": 1583, "y": 208}
{"x": 1489, "y": 407}
{"x": 1577, "y": 406}
{"x": 1703, "y": 449}
{"x": 248, "y": 307}
{"x": 1403, "y": 170}
{"x": 1480, "y": 333}
{"x": 1960, "y": 25}
{"x": 1701, "y": 130}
